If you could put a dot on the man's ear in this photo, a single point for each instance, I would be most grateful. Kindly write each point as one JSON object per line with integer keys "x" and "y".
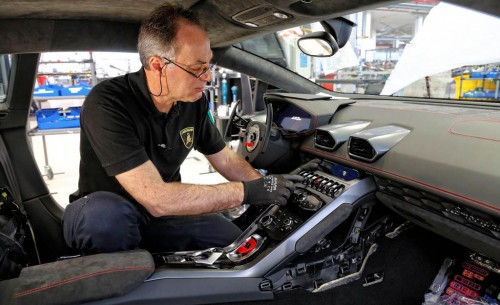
{"x": 155, "y": 64}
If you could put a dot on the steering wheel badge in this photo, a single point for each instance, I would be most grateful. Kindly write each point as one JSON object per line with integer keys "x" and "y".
{"x": 252, "y": 138}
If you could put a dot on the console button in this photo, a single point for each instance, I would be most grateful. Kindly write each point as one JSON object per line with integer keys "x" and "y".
{"x": 339, "y": 190}
{"x": 268, "y": 222}
{"x": 316, "y": 182}
{"x": 311, "y": 180}
{"x": 322, "y": 185}
{"x": 247, "y": 246}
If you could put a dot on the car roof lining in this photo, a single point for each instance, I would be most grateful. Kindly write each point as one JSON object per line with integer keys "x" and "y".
{"x": 28, "y": 36}
{"x": 112, "y": 25}
{"x": 52, "y": 21}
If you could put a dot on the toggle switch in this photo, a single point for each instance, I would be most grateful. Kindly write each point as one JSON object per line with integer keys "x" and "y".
{"x": 247, "y": 247}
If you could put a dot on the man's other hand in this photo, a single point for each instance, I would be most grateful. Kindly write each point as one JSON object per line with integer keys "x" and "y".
{"x": 272, "y": 189}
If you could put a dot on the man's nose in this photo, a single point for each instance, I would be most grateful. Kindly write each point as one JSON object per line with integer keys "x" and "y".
{"x": 207, "y": 77}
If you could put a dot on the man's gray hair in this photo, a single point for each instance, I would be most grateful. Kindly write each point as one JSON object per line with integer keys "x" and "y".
{"x": 158, "y": 31}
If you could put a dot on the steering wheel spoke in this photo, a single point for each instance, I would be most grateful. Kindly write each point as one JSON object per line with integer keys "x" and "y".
{"x": 234, "y": 121}
{"x": 256, "y": 137}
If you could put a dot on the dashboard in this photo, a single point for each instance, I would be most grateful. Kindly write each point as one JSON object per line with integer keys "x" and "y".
{"x": 434, "y": 164}
{"x": 379, "y": 165}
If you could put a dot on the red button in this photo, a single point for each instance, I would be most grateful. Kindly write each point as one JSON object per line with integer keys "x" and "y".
{"x": 248, "y": 246}
{"x": 249, "y": 144}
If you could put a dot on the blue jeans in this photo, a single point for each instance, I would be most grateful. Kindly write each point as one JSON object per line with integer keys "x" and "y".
{"x": 107, "y": 222}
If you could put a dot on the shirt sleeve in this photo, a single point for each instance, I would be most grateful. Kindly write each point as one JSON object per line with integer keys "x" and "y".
{"x": 111, "y": 133}
{"x": 209, "y": 140}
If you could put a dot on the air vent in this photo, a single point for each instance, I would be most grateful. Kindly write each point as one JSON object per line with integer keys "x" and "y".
{"x": 331, "y": 137}
{"x": 362, "y": 149}
{"x": 323, "y": 139}
{"x": 261, "y": 15}
{"x": 370, "y": 144}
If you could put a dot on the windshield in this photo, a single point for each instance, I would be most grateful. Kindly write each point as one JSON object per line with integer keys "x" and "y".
{"x": 418, "y": 49}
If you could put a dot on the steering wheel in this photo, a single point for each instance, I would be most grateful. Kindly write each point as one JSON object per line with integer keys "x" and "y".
{"x": 234, "y": 120}
{"x": 256, "y": 137}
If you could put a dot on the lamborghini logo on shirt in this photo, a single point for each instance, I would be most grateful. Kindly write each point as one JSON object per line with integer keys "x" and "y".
{"x": 187, "y": 136}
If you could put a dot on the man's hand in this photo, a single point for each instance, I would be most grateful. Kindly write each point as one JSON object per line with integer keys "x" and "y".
{"x": 309, "y": 166}
{"x": 272, "y": 189}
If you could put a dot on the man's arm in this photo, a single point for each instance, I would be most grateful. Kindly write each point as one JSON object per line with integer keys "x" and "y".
{"x": 161, "y": 198}
{"x": 232, "y": 166}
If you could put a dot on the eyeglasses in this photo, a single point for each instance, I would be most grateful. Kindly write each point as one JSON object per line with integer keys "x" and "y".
{"x": 210, "y": 67}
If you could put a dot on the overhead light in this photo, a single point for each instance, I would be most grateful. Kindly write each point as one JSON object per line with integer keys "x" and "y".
{"x": 260, "y": 16}
{"x": 280, "y": 15}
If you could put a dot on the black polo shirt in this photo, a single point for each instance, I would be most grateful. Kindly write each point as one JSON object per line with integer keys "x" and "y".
{"x": 122, "y": 129}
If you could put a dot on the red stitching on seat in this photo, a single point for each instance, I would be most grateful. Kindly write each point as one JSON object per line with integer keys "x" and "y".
{"x": 74, "y": 279}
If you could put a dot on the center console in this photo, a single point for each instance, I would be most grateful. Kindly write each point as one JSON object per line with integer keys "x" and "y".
{"x": 320, "y": 202}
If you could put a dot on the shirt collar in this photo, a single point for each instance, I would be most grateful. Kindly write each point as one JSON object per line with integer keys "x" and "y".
{"x": 137, "y": 82}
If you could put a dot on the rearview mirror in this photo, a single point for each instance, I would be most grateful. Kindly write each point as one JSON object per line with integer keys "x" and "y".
{"x": 318, "y": 44}
{"x": 340, "y": 28}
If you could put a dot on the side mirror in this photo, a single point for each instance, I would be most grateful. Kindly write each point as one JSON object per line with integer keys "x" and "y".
{"x": 318, "y": 44}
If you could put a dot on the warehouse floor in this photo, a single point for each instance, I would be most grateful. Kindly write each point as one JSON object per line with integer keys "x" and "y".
{"x": 63, "y": 157}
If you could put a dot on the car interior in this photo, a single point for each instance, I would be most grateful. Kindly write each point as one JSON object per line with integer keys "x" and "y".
{"x": 403, "y": 184}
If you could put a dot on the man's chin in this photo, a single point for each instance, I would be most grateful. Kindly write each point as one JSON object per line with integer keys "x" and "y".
{"x": 192, "y": 98}
{"x": 196, "y": 97}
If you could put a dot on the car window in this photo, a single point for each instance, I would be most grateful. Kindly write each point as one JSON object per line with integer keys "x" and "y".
{"x": 64, "y": 68}
{"x": 411, "y": 49}
{"x": 5, "y": 64}
{"x": 62, "y": 83}
{"x": 268, "y": 46}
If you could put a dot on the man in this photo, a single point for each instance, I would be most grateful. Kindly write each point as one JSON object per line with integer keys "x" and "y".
{"x": 136, "y": 130}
